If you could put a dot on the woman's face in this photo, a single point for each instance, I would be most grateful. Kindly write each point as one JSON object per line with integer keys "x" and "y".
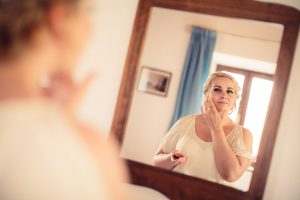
{"x": 222, "y": 93}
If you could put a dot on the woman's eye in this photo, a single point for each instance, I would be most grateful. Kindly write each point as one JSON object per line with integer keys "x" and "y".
{"x": 230, "y": 92}
{"x": 218, "y": 90}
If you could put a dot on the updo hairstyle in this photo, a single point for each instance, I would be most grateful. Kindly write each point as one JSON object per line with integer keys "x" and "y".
{"x": 18, "y": 21}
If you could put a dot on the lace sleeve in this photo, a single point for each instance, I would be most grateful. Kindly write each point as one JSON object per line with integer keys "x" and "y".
{"x": 169, "y": 141}
{"x": 238, "y": 146}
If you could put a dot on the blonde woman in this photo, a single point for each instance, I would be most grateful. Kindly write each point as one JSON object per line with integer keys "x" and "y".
{"x": 209, "y": 145}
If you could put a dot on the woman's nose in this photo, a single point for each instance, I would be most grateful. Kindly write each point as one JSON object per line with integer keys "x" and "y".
{"x": 224, "y": 94}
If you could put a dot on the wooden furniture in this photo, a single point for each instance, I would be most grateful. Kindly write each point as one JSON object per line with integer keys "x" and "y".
{"x": 179, "y": 186}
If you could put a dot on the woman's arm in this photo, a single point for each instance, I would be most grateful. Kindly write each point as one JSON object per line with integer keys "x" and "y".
{"x": 168, "y": 160}
{"x": 229, "y": 165}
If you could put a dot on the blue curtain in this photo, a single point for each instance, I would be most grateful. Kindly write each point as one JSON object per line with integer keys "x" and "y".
{"x": 195, "y": 72}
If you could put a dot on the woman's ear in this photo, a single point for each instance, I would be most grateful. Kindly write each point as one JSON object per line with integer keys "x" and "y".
{"x": 56, "y": 20}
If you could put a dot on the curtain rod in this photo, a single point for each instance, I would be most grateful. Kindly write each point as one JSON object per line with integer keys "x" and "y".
{"x": 189, "y": 29}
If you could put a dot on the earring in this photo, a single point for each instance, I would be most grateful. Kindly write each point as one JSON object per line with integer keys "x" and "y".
{"x": 231, "y": 111}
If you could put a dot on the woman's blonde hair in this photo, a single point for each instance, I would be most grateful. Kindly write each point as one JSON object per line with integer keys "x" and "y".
{"x": 208, "y": 84}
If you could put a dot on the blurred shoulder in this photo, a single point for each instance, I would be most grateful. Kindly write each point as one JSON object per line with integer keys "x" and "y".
{"x": 31, "y": 113}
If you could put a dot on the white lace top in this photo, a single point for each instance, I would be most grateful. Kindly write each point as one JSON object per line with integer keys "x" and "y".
{"x": 200, "y": 163}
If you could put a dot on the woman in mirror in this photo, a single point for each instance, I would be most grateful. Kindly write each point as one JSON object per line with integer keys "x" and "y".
{"x": 209, "y": 145}
{"x": 45, "y": 152}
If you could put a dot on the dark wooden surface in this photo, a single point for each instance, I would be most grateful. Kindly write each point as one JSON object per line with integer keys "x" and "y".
{"x": 178, "y": 186}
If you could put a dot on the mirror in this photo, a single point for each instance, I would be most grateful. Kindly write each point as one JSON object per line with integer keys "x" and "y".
{"x": 250, "y": 46}
{"x": 256, "y": 14}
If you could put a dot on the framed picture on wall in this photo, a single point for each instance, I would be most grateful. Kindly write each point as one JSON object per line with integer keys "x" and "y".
{"x": 154, "y": 81}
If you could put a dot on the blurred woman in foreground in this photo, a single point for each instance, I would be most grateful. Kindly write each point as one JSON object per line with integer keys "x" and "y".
{"x": 45, "y": 152}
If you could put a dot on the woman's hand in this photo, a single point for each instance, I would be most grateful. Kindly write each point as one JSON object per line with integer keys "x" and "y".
{"x": 213, "y": 118}
{"x": 229, "y": 165}
{"x": 178, "y": 158}
{"x": 62, "y": 89}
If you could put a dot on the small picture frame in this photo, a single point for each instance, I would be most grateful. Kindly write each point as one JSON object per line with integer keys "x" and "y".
{"x": 154, "y": 81}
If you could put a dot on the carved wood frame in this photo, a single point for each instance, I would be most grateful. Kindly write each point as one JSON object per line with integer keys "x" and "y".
{"x": 179, "y": 186}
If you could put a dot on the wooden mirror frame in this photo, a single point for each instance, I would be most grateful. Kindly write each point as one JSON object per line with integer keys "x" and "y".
{"x": 179, "y": 186}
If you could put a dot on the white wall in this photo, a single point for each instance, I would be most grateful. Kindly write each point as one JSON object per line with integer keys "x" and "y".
{"x": 109, "y": 47}
{"x": 105, "y": 55}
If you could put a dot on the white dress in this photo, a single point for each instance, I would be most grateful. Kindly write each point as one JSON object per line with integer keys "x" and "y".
{"x": 200, "y": 163}
{"x": 42, "y": 157}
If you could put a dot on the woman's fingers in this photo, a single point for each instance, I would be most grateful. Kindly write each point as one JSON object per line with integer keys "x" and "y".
{"x": 183, "y": 159}
{"x": 176, "y": 155}
{"x": 213, "y": 110}
{"x": 212, "y": 107}
{"x": 62, "y": 88}
{"x": 180, "y": 161}
{"x": 212, "y": 116}
{"x": 178, "y": 158}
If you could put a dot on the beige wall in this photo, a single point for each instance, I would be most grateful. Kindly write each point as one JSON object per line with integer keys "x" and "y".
{"x": 107, "y": 54}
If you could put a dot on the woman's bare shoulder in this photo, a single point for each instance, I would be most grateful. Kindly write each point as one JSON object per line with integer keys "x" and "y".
{"x": 247, "y": 134}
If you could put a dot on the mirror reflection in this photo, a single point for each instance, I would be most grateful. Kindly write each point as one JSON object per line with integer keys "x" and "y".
{"x": 209, "y": 145}
{"x": 245, "y": 49}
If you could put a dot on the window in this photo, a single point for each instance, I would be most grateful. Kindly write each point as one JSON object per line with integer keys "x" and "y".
{"x": 256, "y": 89}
